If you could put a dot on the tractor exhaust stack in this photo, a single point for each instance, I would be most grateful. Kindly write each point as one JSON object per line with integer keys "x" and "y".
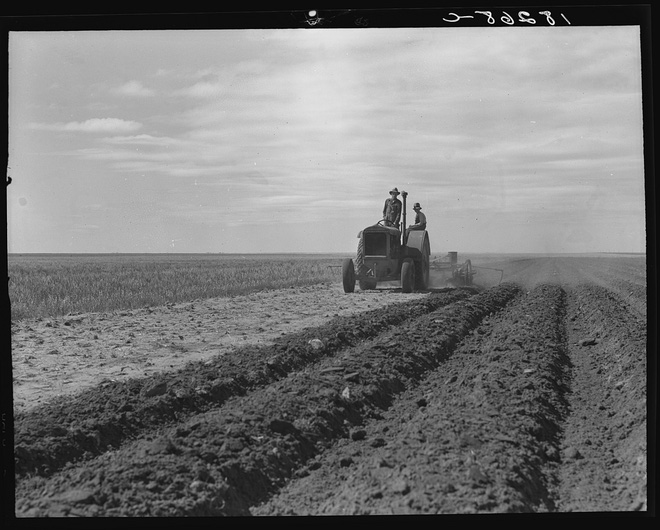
{"x": 404, "y": 194}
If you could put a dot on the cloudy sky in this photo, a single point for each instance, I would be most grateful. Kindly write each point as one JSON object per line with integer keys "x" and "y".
{"x": 513, "y": 139}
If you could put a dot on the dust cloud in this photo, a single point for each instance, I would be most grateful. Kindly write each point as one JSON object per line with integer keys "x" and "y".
{"x": 482, "y": 279}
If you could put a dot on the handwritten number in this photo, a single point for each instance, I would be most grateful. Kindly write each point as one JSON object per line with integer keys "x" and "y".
{"x": 491, "y": 20}
{"x": 548, "y": 17}
{"x": 457, "y": 17}
{"x": 523, "y": 16}
{"x": 507, "y": 19}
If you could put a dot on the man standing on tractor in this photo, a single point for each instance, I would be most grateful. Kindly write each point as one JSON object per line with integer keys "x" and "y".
{"x": 420, "y": 219}
{"x": 392, "y": 209}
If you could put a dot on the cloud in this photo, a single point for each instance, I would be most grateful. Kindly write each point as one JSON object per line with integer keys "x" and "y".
{"x": 515, "y": 129}
{"x": 134, "y": 88}
{"x": 93, "y": 125}
{"x": 84, "y": 228}
{"x": 142, "y": 140}
{"x": 203, "y": 89}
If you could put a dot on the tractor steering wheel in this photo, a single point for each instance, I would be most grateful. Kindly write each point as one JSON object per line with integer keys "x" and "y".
{"x": 385, "y": 222}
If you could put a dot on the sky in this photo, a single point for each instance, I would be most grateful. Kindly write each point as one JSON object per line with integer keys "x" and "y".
{"x": 513, "y": 139}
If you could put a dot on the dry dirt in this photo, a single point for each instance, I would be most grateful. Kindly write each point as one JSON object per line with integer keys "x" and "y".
{"x": 527, "y": 396}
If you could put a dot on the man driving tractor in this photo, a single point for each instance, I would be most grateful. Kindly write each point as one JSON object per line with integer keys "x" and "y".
{"x": 392, "y": 209}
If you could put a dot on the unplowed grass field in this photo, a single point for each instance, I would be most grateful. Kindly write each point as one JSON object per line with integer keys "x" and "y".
{"x": 527, "y": 392}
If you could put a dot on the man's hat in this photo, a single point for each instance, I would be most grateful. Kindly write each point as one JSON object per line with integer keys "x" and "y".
{"x": 395, "y": 190}
{"x": 416, "y": 206}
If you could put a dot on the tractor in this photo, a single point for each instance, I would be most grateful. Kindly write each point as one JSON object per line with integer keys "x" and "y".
{"x": 386, "y": 253}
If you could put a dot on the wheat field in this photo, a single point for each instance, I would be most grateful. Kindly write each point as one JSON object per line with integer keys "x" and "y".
{"x": 47, "y": 285}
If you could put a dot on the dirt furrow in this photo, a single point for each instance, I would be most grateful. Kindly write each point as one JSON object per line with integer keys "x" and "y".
{"x": 604, "y": 443}
{"x": 99, "y": 419}
{"x": 478, "y": 435}
{"x": 223, "y": 461}
{"x": 629, "y": 285}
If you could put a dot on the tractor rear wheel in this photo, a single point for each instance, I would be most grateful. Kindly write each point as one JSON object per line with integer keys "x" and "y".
{"x": 422, "y": 268}
{"x": 407, "y": 275}
{"x": 348, "y": 275}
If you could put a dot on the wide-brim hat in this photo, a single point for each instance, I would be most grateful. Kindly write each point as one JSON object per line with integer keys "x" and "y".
{"x": 394, "y": 190}
{"x": 416, "y": 206}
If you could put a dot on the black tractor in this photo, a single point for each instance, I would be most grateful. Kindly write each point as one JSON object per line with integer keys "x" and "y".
{"x": 386, "y": 253}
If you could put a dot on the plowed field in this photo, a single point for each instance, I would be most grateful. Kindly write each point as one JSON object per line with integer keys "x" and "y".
{"x": 525, "y": 396}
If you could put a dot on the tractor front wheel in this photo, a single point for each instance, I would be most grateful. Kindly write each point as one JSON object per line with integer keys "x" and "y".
{"x": 348, "y": 275}
{"x": 365, "y": 284}
{"x": 408, "y": 275}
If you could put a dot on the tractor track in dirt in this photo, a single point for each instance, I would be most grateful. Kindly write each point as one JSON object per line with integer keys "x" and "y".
{"x": 514, "y": 422}
{"x": 251, "y": 458}
{"x": 486, "y": 443}
{"x": 95, "y": 420}
{"x": 529, "y": 396}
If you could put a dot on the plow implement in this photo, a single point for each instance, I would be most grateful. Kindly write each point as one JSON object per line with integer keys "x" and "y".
{"x": 462, "y": 274}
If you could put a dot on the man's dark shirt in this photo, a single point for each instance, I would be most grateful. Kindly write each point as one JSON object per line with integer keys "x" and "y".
{"x": 420, "y": 221}
{"x": 392, "y": 210}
